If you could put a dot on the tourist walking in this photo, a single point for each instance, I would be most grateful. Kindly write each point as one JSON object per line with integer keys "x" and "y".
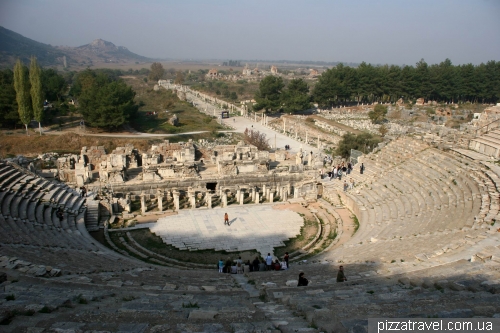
{"x": 226, "y": 219}
{"x": 286, "y": 258}
{"x": 340, "y": 275}
{"x": 349, "y": 168}
{"x": 345, "y": 186}
{"x": 361, "y": 168}
{"x": 269, "y": 261}
{"x": 302, "y": 280}
{"x": 351, "y": 184}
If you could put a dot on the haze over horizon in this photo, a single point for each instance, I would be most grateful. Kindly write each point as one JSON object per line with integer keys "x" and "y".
{"x": 389, "y": 31}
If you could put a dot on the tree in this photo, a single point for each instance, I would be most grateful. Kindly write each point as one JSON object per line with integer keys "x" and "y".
{"x": 383, "y": 130}
{"x": 233, "y": 96}
{"x": 296, "y": 96}
{"x": 36, "y": 92}
{"x": 179, "y": 78}
{"x": 8, "y": 105}
{"x": 53, "y": 84}
{"x": 256, "y": 138}
{"x": 22, "y": 86}
{"x": 156, "y": 72}
{"x": 359, "y": 142}
{"x": 378, "y": 113}
{"x": 104, "y": 102}
{"x": 268, "y": 96}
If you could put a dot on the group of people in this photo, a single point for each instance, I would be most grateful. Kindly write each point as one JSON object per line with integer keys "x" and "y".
{"x": 349, "y": 185}
{"x": 287, "y": 147}
{"x": 338, "y": 171}
{"x": 303, "y": 281}
{"x": 265, "y": 264}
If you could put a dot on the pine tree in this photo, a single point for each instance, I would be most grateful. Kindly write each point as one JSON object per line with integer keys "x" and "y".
{"x": 21, "y": 85}
{"x": 36, "y": 92}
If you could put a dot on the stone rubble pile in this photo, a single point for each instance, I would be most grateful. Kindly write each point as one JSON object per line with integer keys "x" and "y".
{"x": 28, "y": 268}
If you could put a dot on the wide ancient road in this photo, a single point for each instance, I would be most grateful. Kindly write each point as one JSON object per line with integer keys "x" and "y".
{"x": 239, "y": 124}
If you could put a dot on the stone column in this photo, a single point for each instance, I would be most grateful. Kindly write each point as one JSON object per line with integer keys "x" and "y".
{"x": 284, "y": 126}
{"x": 271, "y": 196}
{"x": 285, "y": 195}
{"x": 192, "y": 199}
{"x": 253, "y": 193}
{"x": 238, "y": 191}
{"x": 257, "y": 197}
{"x": 264, "y": 190}
{"x": 242, "y": 197}
{"x": 268, "y": 194}
{"x": 296, "y": 192}
{"x": 143, "y": 203}
{"x": 159, "y": 195}
{"x": 224, "y": 199}
{"x": 128, "y": 207}
{"x": 175, "y": 194}
{"x": 208, "y": 199}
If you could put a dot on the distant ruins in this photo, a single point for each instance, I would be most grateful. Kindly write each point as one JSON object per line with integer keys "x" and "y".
{"x": 170, "y": 173}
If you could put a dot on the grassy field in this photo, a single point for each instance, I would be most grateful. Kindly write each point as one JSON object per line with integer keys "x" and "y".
{"x": 244, "y": 89}
{"x": 190, "y": 118}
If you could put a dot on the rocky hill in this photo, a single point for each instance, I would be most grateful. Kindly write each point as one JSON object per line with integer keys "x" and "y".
{"x": 14, "y": 45}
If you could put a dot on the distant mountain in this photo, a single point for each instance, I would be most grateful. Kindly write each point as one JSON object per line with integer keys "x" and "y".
{"x": 14, "y": 45}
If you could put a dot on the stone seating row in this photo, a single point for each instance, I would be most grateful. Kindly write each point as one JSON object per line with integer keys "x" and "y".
{"x": 389, "y": 205}
{"x": 398, "y": 296}
{"x": 488, "y": 143}
{"x": 379, "y": 163}
{"x": 30, "y": 185}
{"x": 488, "y": 190}
{"x": 389, "y": 258}
{"x": 135, "y": 308}
{"x": 29, "y": 224}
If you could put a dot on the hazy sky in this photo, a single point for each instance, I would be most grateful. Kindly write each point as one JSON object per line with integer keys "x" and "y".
{"x": 384, "y": 31}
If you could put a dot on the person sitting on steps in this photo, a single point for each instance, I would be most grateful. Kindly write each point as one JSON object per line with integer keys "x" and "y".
{"x": 303, "y": 282}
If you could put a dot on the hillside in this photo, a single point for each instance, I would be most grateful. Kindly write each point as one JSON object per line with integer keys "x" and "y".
{"x": 14, "y": 45}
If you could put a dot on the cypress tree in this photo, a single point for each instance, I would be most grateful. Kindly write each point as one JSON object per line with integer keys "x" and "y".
{"x": 36, "y": 92}
{"x": 21, "y": 85}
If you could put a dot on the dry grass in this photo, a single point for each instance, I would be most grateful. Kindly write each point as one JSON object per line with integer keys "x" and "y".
{"x": 20, "y": 144}
{"x": 66, "y": 143}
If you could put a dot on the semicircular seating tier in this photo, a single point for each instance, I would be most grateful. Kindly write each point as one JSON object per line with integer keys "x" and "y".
{"x": 425, "y": 248}
{"x": 30, "y": 228}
